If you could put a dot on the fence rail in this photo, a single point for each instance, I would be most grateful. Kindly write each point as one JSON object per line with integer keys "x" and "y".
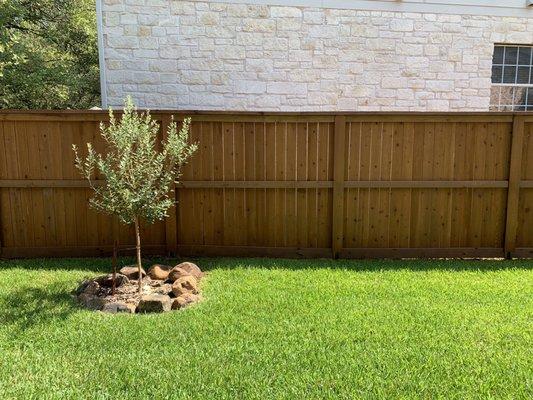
{"x": 289, "y": 185}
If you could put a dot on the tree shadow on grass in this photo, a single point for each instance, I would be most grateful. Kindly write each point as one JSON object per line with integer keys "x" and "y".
{"x": 31, "y": 306}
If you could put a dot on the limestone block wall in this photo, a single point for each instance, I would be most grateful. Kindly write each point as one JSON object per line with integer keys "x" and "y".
{"x": 218, "y": 55}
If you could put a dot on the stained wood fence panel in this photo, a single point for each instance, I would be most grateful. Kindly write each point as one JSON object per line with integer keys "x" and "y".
{"x": 248, "y": 216}
{"x": 54, "y": 220}
{"x": 428, "y": 217}
{"x": 309, "y": 185}
{"x": 525, "y": 213}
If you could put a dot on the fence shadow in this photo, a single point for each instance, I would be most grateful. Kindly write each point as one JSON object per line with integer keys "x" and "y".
{"x": 364, "y": 265}
{"x": 97, "y": 265}
{"x": 103, "y": 265}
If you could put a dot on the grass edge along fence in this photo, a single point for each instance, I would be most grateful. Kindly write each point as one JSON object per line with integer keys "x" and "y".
{"x": 348, "y": 185}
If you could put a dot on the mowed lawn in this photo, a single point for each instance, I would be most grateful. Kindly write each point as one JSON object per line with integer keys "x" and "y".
{"x": 277, "y": 329}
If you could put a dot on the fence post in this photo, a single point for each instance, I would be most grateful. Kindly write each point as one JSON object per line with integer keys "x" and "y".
{"x": 1, "y": 227}
{"x": 337, "y": 238}
{"x": 513, "y": 192}
{"x": 171, "y": 226}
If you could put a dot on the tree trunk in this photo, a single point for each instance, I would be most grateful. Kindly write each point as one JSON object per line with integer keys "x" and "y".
{"x": 138, "y": 247}
{"x": 114, "y": 267}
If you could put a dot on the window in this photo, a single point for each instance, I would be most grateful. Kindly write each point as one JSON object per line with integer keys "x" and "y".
{"x": 512, "y": 78}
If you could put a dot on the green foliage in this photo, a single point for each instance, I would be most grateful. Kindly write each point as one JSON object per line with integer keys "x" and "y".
{"x": 48, "y": 54}
{"x": 137, "y": 176}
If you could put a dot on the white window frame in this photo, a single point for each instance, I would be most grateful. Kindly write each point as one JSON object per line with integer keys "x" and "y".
{"x": 527, "y": 86}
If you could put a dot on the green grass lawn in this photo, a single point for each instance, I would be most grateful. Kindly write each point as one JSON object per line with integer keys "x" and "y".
{"x": 272, "y": 329}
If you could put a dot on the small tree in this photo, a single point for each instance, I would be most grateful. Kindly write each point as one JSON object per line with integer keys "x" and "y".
{"x": 137, "y": 177}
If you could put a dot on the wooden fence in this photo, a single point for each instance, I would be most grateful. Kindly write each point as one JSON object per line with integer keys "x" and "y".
{"x": 309, "y": 185}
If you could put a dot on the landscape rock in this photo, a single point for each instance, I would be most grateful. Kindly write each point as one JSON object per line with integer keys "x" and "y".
{"x": 92, "y": 288}
{"x": 184, "y": 300}
{"x": 154, "y": 303}
{"x": 119, "y": 307}
{"x": 185, "y": 284}
{"x": 132, "y": 272}
{"x": 191, "y": 268}
{"x": 107, "y": 280}
{"x": 165, "y": 288}
{"x": 159, "y": 272}
{"x": 158, "y": 292}
{"x": 177, "y": 273}
{"x": 92, "y": 302}
{"x": 81, "y": 287}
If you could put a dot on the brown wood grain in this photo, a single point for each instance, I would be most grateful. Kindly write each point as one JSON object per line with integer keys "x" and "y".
{"x": 513, "y": 192}
{"x": 337, "y": 238}
{"x": 287, "y": 184}
{"x": 525, "y": 211}
{"x": 171, "y": 222}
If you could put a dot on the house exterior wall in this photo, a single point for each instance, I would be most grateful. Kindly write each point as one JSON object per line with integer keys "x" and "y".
{"x": 235, "y": 56}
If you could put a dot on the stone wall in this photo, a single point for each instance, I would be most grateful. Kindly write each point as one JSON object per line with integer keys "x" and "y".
{"x": 210, "y": 55}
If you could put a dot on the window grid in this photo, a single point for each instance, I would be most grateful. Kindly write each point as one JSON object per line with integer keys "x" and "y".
{"x": 512, "y": 78}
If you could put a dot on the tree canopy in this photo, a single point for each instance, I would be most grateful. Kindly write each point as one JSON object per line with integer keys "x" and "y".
{"x": 48, "y": 54}
{"x": 137, "y": 174}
